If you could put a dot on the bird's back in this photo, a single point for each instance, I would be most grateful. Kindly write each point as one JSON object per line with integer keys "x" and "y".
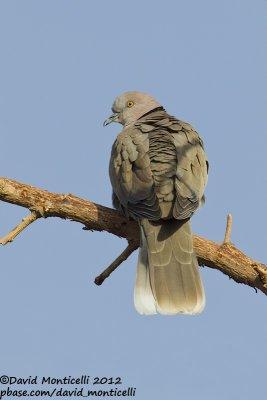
{"x": 158, "y": 168}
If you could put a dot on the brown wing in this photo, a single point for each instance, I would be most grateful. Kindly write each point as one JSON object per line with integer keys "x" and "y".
{"x": 178, "y": 164}
{"x": 131, "y": 176}
{"x": 192, "y": 171}
{"x": 158, "y": 168}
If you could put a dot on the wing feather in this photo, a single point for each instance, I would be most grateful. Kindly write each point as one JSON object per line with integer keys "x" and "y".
{"x": 158, "y": 168}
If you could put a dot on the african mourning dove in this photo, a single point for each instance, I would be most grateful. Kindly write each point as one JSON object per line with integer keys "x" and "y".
{"x": 158, "y": 171}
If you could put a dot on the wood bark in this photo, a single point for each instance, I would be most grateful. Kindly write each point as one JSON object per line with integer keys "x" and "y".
{"x": 223, "y": 257}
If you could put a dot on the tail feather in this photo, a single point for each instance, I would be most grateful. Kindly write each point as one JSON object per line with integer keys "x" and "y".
{"x": 144, "y": 300}
{"x": 168, "y": 279}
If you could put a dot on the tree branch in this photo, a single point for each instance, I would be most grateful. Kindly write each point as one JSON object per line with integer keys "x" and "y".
{"x": 132, "y": 246}
{"x": 226, "y": 257}
{"x": 26, "y": 221}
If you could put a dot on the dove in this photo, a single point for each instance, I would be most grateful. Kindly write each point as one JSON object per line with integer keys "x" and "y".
{"x": 158, "y": 171}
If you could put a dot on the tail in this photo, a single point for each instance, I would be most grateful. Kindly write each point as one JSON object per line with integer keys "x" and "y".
{"x": 168, "y": 279}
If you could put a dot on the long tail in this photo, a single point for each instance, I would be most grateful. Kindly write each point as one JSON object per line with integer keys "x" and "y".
{"x": 168, "y": 279}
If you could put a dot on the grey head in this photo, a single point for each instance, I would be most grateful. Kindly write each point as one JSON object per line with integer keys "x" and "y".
{"x": 130, "y": 106}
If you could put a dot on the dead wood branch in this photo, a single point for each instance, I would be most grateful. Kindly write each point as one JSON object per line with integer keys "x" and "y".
{"x": 26, "y": 221}
{"x": 226, "y": 257}
{"x": 132, "y": 246}
{"x": 228, "y": 230}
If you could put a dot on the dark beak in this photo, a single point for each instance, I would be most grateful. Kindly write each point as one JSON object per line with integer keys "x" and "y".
{"x": 112, "y": 118}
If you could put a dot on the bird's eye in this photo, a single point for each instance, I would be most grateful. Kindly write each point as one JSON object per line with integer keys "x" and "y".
{"x": 130, "y": 104}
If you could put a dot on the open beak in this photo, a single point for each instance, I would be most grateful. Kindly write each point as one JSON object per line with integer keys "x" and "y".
{"x": 113, "y": 118}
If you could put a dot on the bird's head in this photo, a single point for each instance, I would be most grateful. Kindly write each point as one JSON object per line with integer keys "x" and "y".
{"x": 130, "y": 106}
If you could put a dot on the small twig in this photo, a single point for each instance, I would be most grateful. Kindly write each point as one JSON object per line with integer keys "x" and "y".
{"x": 228, "y": 230}
{"x": 132, "y": 246}
{"x": 26, "y": 221}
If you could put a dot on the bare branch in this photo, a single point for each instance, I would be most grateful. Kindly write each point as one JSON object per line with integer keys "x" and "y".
{"x": 26, "y": 221}
{"x": 226, "y": 257}
{"x": 132, "y": 246}
{"x": 228, "y": 230}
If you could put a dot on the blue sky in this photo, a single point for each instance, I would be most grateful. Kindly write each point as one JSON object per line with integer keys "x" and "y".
{"x": 62, "y": 64}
